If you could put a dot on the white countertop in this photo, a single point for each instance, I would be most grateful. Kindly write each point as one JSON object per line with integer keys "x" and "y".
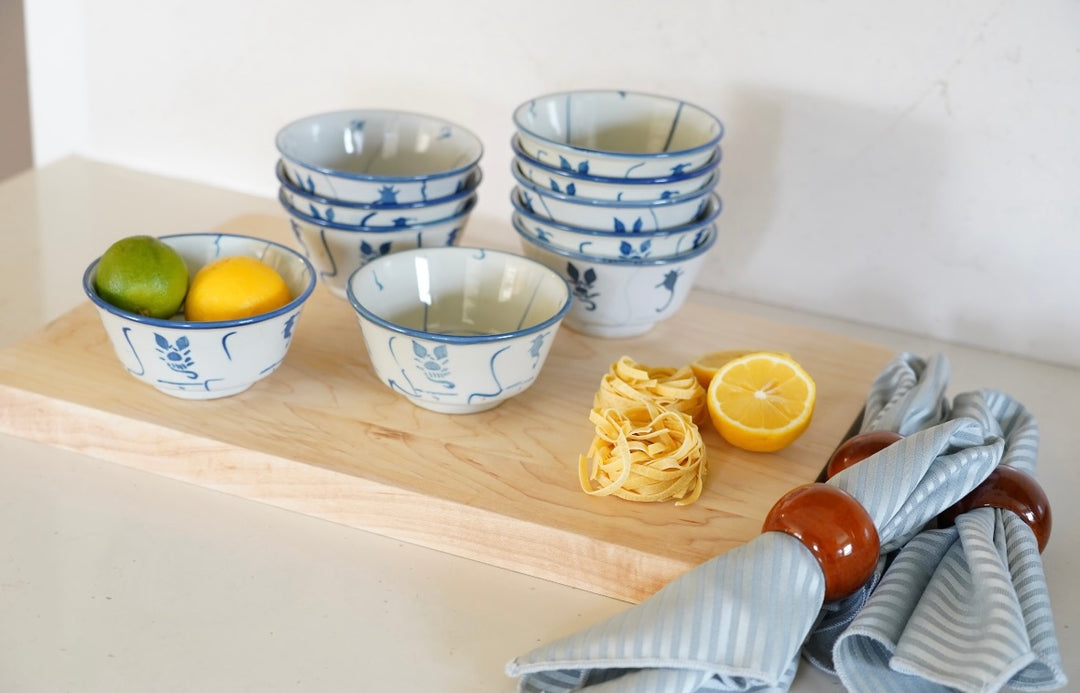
{"x": 113, "y": 579}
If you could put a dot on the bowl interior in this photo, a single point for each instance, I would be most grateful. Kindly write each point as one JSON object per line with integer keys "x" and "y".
{"x": 458, "y": 292}
{"x": 619, "y": 122}
{"x": 379, "y": 144}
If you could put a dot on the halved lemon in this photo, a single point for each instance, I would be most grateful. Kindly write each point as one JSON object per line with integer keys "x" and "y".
{"x": 761, "y": 401}
{"x": 705, "y": 366}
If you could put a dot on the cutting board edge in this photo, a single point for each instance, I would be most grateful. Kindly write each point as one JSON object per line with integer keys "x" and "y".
{"x": 506, "y": 542}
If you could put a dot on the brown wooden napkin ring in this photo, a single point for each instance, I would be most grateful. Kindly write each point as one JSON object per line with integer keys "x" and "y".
{"x": 1007, "y": 488}
{"x": 836, "y": 529}
{"x": 857, "y": 448}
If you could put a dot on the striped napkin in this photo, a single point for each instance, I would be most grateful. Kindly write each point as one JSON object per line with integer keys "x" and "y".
{"x": 720, "y": 627}
{"x": 966, "y": 607}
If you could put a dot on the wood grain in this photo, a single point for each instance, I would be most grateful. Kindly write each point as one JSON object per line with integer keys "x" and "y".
{"x": 322, "y": 436}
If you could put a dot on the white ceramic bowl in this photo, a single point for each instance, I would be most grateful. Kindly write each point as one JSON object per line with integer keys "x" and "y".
{"x": 208, "y": 360}
{"x": 617, "y": 134}
{"x": 615, "y": 189}
{"x": 620, "y": 298}
{"x": 336, "y": 250}
{"x": 458, "y": 330}
{"x": 377, "y": 215}
{"x": 627, "y": 246}
{"x": 608, "y": 215}
{"x": 378, "y": 156}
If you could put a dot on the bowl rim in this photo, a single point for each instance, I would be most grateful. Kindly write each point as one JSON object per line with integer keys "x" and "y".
{"x": 470, "y": 205}
{"x": 716, "y": 204}
{"x": 283, "y": 179}
{"x": 299, "y": 300}
{"x": 699, "y": 172}
{"x": 353, "y": 112}
{"x": 367, "y": 314}
{"x": 522, "y": 179}
{"x": 525, "y": 105}
{"x": 524, "y": 235}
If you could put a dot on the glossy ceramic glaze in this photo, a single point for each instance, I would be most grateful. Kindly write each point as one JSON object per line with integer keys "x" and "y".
{"x": 377, "y": 215}
{"x": 374, "y": 156}
{"x": 336, "y": 250}
{"x": 209, "y": 360}
{"x": 617, "y": 134}
{"x": 608, "y": 215}
{"x": 458, "y": 330}
{"x": 857, "y": 448}
{"x": 836, "y": 529}
{"x": 617, "y": 298}
{"x": 616, "y": 189}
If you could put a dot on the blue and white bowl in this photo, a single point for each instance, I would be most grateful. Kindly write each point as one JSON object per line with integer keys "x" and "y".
{"x": 615, "y": 189}
{"x": 643, "y": 245}
{"x": 458, "y": 330}
{"x": 208, "y": 360}
{"x": 377, "y": 215}
{"x": 378, "y": 156}
{"x": 617, "y": 134}
{"x": 336, "y": 251}
{"x": 608, "y": 215}
{"x": 616, "y": 298}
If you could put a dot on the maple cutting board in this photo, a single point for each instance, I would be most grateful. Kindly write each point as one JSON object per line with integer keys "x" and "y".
{"x": 322, "y": 436}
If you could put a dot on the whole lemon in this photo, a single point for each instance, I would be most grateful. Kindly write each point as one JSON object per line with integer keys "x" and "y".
{"x": 143, "y": 275}
{"x": 235, "y": 287}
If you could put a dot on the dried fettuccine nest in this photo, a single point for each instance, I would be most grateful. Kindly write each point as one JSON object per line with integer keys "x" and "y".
{"x": 644, "y": 453}
{"x": 629, "y": 383}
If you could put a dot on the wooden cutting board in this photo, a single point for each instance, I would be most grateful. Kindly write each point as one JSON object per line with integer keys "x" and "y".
{"x": 322, "y": 436}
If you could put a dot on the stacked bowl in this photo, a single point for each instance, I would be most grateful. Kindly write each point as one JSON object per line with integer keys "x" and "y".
{"x": 616, "y": 191}
{"x": 360, "y": 184}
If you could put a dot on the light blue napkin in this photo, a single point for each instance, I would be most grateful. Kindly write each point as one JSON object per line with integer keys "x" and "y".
{"x": 721, "y": 626}
{"x": 966, "y": 607}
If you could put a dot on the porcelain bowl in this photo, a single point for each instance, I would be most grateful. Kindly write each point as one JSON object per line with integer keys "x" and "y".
{"x": 608, "y": 215}
{"x": 377, "y": 215}
{"x": 642, "y": 245}
{"x": 336, "y": 250}
{"x": 208, "y": 360}
{"x": 617, "y": 134}
{"x": 458, "y": 330}
{"x": 615, "y": 189}
{"x": 378, "y": 156}
{"x": 615, "y": 298}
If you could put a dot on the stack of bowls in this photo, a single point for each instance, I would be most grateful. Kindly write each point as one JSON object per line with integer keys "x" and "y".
{"x": 360, "y": 184}
{"x": 616, "y": 191}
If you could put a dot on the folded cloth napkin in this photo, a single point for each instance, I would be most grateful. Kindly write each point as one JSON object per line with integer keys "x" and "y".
{"x": 722, "y": 626}
{"x": 964, "y": 607}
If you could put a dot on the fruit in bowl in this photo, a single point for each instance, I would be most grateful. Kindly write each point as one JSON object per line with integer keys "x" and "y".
{"x": 222, "y": 341}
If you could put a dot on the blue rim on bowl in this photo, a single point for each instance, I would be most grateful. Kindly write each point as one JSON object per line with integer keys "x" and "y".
{"x": 456, "y": 338}
{"x": 286, "y": 182}
{"x": 714, "y": 162}
{"x": 530, "y": 104}
{"x": 293, "y": 211}
{"x": 281, "y": 142}
{"x": 299, "y": 299}
{"x": 713, "y": 209}
{"x": 525, "y": 236}
{"x": 532, "y": 185}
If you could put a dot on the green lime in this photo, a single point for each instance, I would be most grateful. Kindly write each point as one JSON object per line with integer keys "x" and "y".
{"x": 141, "y": 274}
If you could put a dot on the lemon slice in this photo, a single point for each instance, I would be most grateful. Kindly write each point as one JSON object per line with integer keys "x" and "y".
{"x": 705, "y": 366}
{"x": 761, "y": 401}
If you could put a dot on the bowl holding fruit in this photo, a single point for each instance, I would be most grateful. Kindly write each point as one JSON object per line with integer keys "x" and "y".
{"x": 200, "y": 315}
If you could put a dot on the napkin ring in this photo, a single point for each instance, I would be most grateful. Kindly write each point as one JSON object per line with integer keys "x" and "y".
{"x": 1007, "y": 488}
{"x": 837, "y": 530}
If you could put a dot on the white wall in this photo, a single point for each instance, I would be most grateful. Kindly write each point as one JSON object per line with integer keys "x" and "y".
{"x": 908, "y": 164}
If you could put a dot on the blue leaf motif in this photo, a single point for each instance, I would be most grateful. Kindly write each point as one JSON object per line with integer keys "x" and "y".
{"x": 161, "y": 341}
{"x": 619, "y": 226}
{"x": 638, "y": 224}
{"x": 564, "y": 164}
{"x": 571, "y": 189}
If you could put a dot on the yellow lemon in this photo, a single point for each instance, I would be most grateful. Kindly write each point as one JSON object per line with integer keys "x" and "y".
{"x": 705, "y": 366}
{"x": 141, "y": 274}
{"x": 761, "y": 401}
{"x": 236, "y": 287}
